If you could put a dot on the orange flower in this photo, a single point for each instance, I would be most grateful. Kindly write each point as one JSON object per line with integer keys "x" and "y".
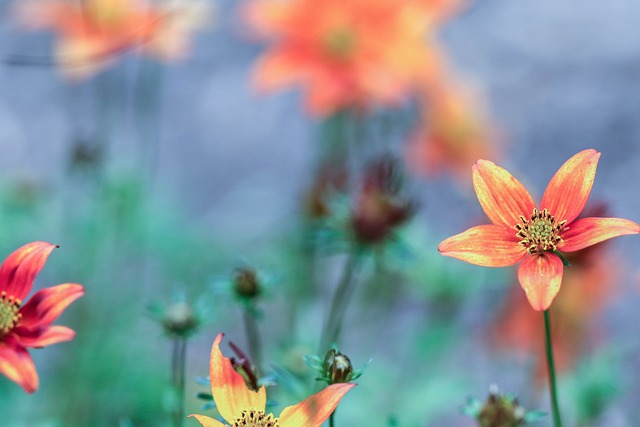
{"x": 30, "y": 325}
{"x": 347, "y": 52}
{"x": 93, "y": 33}
{"x": 454, "y": 133}
{"x": 521, "y": 232}
{"x": 240, "y": 406}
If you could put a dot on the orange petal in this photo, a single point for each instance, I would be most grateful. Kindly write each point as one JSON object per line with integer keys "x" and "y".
{"x": 17, "y": 365}
{"x": 276, "y": 69}
{"x": 540, "y": 277}
{"x": 569, "y": 189}
{"x": 485, "y": 245}
{"x": 314, "y": 410}
{"x": 266, "y": 18}
{"x": 47, "y": 304}
{"x": 229, "y": 389}
{"x": 19, "y": 270}
{"x": 589, "y": 231}
{"x": 502, "y": 197}
{"x": 44, "y": 337}
{"x": 207, "y": 421}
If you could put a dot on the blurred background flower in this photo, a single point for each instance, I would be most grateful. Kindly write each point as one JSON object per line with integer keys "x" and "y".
{"x": 355, "y": 53}
{"x": 155, "y": 175}
{"x": 93, "y": 34}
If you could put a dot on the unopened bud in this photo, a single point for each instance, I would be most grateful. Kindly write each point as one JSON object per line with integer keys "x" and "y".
{"x": 337, "y": 367}
{"x": 179, "y": 319}
{"x": 501, "y": 411}
{"x": 246, "y": 283}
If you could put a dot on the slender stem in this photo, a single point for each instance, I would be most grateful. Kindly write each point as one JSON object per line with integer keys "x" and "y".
{"x": 557, "y": 422}
{"x": 148, "y": 98}
{"x": 178, "y": 362}
{"x": 340, "y": 302}
{"x": 253, "y": 338}
{"x": 331, "y": 420}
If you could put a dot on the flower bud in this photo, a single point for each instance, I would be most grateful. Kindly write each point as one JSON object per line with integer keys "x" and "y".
{"x": 246, "y": 284}
{"x": 337, "y": 367}
{"x": 380, "y": 207}
{"x": 501, "y": 411}
{"x": 179, "y": 319}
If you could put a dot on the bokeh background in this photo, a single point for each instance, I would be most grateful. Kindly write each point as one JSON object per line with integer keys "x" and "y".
{"x": 159, "y": 178}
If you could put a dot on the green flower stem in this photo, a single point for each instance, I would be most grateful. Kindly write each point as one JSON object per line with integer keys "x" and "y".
{"x": 253, "y": 338}
{"x": 340, "y": 302}
{"x": 331, "y": 420}
{"x": 147, "y": 104}
{"x": 557, "y": 422}
{"x": 178, "y": 377}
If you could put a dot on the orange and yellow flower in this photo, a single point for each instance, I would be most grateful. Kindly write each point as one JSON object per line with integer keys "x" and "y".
{"x": 92, "y": 34}
{"x": 30, "y": 325}
{"x": 522, "y": 233}
{"x": 348, "y": 53}
{"x": 240, "y": 406}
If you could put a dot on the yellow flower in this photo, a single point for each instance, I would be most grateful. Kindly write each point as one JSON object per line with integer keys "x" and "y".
{"x": 242, "y": 407}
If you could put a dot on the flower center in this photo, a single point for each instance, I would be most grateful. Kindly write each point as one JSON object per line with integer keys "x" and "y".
{"x": 253, "y": 418}
{"x": 9, "y": 312}
{"x": 340, "y": 43}
{"x": 540, "y": 233}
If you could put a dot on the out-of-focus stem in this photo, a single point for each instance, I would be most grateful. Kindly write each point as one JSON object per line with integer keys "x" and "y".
{"x": 147, "y": 113}
{"x": 340, "y": 302}
{"x": 178, "y": 377}
{"x": 253, "y": 338}
{"x": 331, "y": 420}
{"x": 555, "y": 409}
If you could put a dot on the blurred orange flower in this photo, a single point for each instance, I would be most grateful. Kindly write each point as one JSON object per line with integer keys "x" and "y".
{"x": 522, "y": 233}
{"x": 240, "y": 406}
{"x": 587, "y": 287}
{"x": 454, "y": 132}
{"x": 92, "y": 34}
{"x": 348, "y": 52}
{"x": 30, "y": 325}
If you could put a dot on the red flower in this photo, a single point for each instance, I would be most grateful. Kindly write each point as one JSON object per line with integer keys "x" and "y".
{"x": 522, "y": 233}
{"x": 29, "y": 325}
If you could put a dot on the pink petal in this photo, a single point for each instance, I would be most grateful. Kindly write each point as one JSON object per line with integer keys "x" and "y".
{"x": 486, "y": 245}
{"x": 502, "y": 197}
{"x": 540, "y": 276}
{"x": 588, "y": 231}
{"x": 43, "y": 337}
{"x": 19, "y": 270}
{"x": 17, "y": 365}
{"x": 47, "y": 304}
{"x": 569, "y": 189}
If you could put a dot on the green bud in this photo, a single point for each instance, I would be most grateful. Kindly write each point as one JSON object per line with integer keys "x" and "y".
{"x": 179, "y": 319}
{"x": 337, "y": 367}
{"x": 246, "y": 283}
{"x": 501, "y": 411}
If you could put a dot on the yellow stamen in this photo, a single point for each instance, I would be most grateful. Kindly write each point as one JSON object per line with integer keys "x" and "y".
{"x": 540, "y": 233}
{"x": 9, "y": 312}
{"x": 253, "y": 418}
{"x": 340, "y": 43}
